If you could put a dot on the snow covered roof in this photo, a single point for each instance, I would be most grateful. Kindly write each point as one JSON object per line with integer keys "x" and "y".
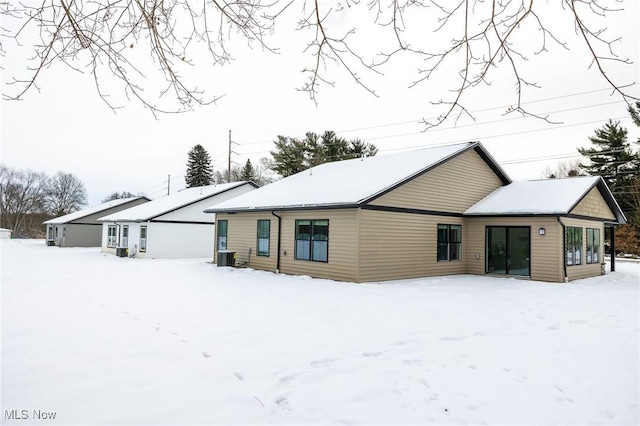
{"x": 169, "y": 203}
{"x": 350, "y": 182}
{"x": 89, "y": 211}
{"x": 543, "y": 197}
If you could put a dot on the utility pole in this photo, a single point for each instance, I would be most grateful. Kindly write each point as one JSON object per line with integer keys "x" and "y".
{"x": 229, "y": 163}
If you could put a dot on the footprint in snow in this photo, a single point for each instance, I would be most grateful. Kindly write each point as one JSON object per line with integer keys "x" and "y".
{"x": 323, "y": 362}
{"x": 452, "y": 338}
{"x": 290, "y": 377}
{"x": 239, "y": 376}
{"x": 206, "y": 354}
{"x": 283, "y": 403}
{"x": 372, "y": 354}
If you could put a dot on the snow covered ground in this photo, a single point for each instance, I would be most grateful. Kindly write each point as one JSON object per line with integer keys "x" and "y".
{"x": 95, "y": 339}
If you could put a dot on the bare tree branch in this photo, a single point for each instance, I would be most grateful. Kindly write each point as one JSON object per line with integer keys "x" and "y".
{"x": 143, "y": 42}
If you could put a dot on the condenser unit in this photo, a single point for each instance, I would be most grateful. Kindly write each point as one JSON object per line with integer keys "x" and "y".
{"x": 226, "y": 258}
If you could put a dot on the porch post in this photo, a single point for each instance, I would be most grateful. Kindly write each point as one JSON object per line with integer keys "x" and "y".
{"x": 613, "y": 247}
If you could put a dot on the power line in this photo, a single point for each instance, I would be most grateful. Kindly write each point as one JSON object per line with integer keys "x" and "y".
{"x": 421, "y": 120}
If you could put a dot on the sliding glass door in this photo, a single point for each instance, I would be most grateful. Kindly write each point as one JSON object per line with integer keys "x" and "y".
{"x": 508, "y": 250}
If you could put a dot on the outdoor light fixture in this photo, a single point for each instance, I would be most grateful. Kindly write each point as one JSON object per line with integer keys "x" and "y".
{"x": 541, "y": 231}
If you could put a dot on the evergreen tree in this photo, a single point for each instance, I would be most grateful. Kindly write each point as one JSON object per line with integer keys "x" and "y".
{"x": 248, "y": 172}
{"x": 293, "y": 155}
{"x": 289, "y": 156}
{"x": 612, "y": 158}
{"x": 199, "y": 170}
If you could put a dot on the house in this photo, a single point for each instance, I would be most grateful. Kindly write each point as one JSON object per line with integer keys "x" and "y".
{"x": 5, "y": 234}
{"x": 169, "y": 227}
{"x": 81, "y": 228}
{"x": 429, "y": 212}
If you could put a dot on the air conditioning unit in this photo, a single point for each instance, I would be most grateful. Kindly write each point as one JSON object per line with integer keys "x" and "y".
{"x": 122, "y": 251}
{"x": 226, "y": 258}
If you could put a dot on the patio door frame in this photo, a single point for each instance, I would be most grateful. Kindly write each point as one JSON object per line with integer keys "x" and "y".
{"x": 506, "y": 250}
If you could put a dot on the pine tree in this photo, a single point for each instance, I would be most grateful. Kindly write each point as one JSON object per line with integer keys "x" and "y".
{"x": 199, "y": 170}
{"x": 612, "y": 158}
{"x": 295, "y": 155}
{"x": 248, "y": 172}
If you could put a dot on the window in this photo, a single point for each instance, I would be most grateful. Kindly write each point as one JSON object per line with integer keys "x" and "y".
{"x": 125, "y": 236}
{"x": 264, "y": 228}
{"x": 312, "y": 240}
{"x": 111, "y": 236}
{"x": 449, "y": 242}
{"x": 593, "y": 245}
{"x": 574, "y": 246}
{"x": 222, "y": 226}
{"x": 143, "y": 238}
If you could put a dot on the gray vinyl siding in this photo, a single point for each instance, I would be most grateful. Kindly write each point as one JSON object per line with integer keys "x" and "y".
{"x": 79, "y": 235}
{"x": 401, "y": 245}
{"x": 87, "y": 231}
{"x": 547, "y": 255}
{"x": 585, "y": 270}
{"x": 453, "y": 186}
{"x": 93, "y": 218}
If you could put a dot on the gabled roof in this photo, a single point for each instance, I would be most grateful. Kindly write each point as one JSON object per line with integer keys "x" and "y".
{"x": 350, "y": 183}
{"x": 170, "y": 203}
{"x": 543, "y": 197}
{"x": 91, "y": 210}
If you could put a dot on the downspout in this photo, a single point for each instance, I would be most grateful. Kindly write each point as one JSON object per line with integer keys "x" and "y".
{"x": 279, "y": 235}
{"x": 613, "y": 248}
{"x": 564, "y": 249}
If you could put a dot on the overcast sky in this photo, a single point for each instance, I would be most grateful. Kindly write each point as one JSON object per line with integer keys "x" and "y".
{"x": 66, "y": 126}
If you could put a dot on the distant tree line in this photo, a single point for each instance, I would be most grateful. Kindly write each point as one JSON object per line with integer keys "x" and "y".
{"x": 27, "y": 198}
{"x": 118, "y": 195}
{"x": 291, "y": 155}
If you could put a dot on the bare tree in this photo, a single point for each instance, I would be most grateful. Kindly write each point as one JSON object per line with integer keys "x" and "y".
{"x": 477, "y": 38}
{"x": 261, "y": 175}
{"x": 571, "y": 168}
{"x": 117, "y": 195}
{"x": 64, "y": 194}
{"x": 22, "y": 193}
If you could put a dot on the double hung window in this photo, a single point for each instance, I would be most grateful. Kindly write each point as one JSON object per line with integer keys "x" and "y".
{"x": 222, "y": 226}
{"x": 449, "y": 242}
{"x": 593, "y": 245}
{"x": 143, "y": 238}
{"x": 112, "y": 236}
{"x": 264, "y": 228}
{"x": 574, "y": 245}
{"x": 125, "y": 236}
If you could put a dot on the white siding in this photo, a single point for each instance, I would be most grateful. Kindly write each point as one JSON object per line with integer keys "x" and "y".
{"x": 174, "y": 240}
{"x": 165, "y": 240}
